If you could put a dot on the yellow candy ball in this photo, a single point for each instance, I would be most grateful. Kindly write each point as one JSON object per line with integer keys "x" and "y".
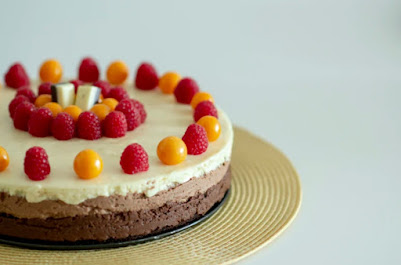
{"x": 88, "y": 164}
{"x": 172, "y": 150}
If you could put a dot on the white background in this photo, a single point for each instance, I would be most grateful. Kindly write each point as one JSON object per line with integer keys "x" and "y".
{"x": 319, "y": 79}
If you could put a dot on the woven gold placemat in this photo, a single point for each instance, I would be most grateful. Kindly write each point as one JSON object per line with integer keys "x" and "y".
{"x": 264, "y": 199}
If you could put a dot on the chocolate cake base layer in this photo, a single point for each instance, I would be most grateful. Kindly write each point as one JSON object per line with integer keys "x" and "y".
{"x": 117, "y": 226}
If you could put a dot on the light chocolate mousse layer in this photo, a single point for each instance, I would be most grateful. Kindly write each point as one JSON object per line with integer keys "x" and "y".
{"x": 115, "y": 217}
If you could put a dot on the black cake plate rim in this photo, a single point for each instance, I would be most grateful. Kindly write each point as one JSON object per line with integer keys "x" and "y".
{"x": 90, "y": 245}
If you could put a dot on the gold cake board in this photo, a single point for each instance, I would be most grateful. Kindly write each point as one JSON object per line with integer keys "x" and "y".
{"x": 265, "y": 197}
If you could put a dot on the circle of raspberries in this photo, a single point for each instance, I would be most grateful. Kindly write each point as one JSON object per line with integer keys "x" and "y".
{"x": 63, "y": 127}
{"x": 205, "y": 108}
{"x": 195, "y": 138}
{"x": 88, "y": 126}
{"x": 27, "y": 92}
{"x": 22, "y": 114}
{"x": 104, "y": 86}
{"x": 16, "y": 76}
{"x": 15, "y": 102}
{"x": 76, "y": 84}
{"x": 131, "y": 113}
{"x": 134, "y": 159}
{"x": 39, "y": 123}
{"x": 45, "y": 88}
{"x": 115, "y": 125}
{"x": 146, "y": 77}
{"x": 88, "y": 70}
{"x": 118, "y": 93}
{"x": 36, "y": 163}
{"x": 185, "y": 90}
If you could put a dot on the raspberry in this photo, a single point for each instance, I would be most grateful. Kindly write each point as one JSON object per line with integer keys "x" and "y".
{"x": 146, "y": 77}
{"x": 88, "y": 70}
{"x": 205, "y": 108}
{"x": 131, "y": 113}
{"x": 115, "y": 125}
{"x": 117, "y": 93}
{"x": 27, "y": 92}
{"x": 104, "y": 86}
{"x": 45, "y": 88}
{"x": 76, "y": 84}
{"x": 16, "y": 76}
{"x": 15, "y": 102}
{"x": 36, "y": 163}
{"x": 142, "y": 112}
{"x": 195, "y": 139}
{"x": 88, "y": 126}
{"x": 63, "y": 127}
{"x": 134, "y": 159}
{"x": 185, "y": 90}
{"x": 22, "y": 114}
{"x": 39, "y": 122}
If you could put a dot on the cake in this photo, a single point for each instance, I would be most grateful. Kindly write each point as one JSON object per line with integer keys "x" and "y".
{"x": 65, "y": 205}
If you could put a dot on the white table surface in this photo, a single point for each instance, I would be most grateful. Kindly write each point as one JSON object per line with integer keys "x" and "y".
{"x": 319, "y": 79}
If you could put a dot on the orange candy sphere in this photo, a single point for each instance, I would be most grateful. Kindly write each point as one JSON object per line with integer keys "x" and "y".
{"x": 88, "y": 164}
{"x": 4, "y": 159}
{"x": 51, "y": 71}
{"x": 101, "y": 111}
{"x": 54, "y": 107}
{"x": 199, "y": 97}
{"x": 168, "y": 82}
{"x": 117, "y": 72}
{"x": 111, "y": 103}
{"x": 73, "y": 111}
{"x": 172, "y": 150}
{"x": 42, "y": 100}
{"x": 212, "y": 127}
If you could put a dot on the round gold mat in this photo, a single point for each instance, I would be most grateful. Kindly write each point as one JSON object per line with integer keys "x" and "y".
{"x": 264, "y": 199}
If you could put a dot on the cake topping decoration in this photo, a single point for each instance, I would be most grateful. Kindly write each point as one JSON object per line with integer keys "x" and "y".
{"x": 45, "y": 88}
{"x": 139, "y": 106}
{"x": 185, "y": 90}
{"x": 4, "y": 159}
{"x": 27, "y": 92}
{"x": 73, "y": 111}
{"x": 16, "y": 76}
{"x": 88, "y": 126}
{"x": 134, "y": 159}
{"x": 172, "y": 150}
{"x": 63, "y": 94}
{"x": 104, "y": 87}
{"x": 54, "y": 107}
{"x": 146, "y": 77}
{"x": 87, "y": 96}
{"x": 131, "y": 113}
{"x": 212, "y": 127}
{"x": 199, "y": 97}
{"x": 88, "y": 164}
{"x": 22, "y": 114}
{"x": 39, "y": 122}
{"x": 63, "y": 127}
{"x": 88, "y": 70}
{"x": 117, "y": 72}
{"x": 195, "y": 138}
{"x": 76, "y": 84}
{"x": 168, "y": 82}
{"x": 15, "y": 102}
{"x": 51, "y": 71}
{"x": 42, "y": 100}
{"x": 203, "y": 109}
{"x": 118, "y": 93}
{"x": 36, "y": 163}
{"x": 101, "y": 111}
{"x": 115, "y": 125}
{"x": 111, "y": 103}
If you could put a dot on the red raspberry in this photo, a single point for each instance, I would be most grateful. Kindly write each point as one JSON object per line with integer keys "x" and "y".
{"x": 104, "y": 86}
{"x": 76, "y": 84}
{"x": 115, "y": 125}
{"x": 195, "y": 139}
{"x": 88, "y": 126}
{"x": 146, "y": 77}
{"x": 205, "y": 108}
{"x": 45, "y": 88}
{"x": 27, "y": 92}
{"x": 142, "y": 112}
{"x": 36, "y": 163}
{"x": 63, "y": 127}
{"x": 39, "y": 123}
{"x": 118, "y": 93}
{"x": 88, "y": 70}
{"x": 131, "y": 113}
{"x": 15, "y": 102}
{"x": 185, "y": 90}
{"x": 22, "y": 114}
{"x": 16, "y": 76}
{"x": 134, "y": 159}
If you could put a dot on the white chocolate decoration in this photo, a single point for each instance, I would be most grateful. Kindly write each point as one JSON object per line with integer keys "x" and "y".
{"x": 165, "y": 118}
{"x": 87, "y": 97}
{"x": 63, "y": 94}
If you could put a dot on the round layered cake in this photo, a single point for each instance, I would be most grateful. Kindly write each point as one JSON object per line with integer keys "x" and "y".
{"x": 115, "y": 205}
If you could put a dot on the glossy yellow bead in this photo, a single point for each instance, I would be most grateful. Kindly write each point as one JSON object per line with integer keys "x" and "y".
{"x": 111, "y": 102}
{"x": 54, "y": 107}
{"x": 172, "y": 150}
{"x": 168, "y": 82}
{"x": 117, "y": 72}
{"x": 101, "y": 111}
{"x": 51, "y": 71}
{"x": 74, "y": 111}
{"x": 212, "y": 127}
{"x": 88, "y": 164}
{"x": 4, "y": 159}
{"x": 199, "y": 97}
{"x": 42, "y": 100}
